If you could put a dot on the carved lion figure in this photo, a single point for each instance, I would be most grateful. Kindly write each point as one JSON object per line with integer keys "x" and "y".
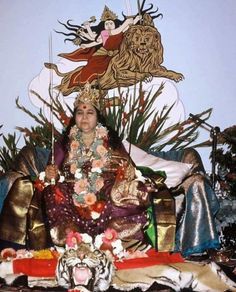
{"x": 140, "y": 57}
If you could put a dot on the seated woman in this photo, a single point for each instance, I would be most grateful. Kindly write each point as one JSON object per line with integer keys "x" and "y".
{"x": 100, "y": 190}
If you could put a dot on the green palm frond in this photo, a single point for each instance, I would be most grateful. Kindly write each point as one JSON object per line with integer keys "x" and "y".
{"x": 8, "y": 152}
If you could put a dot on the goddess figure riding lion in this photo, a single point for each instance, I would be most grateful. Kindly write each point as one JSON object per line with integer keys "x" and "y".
{"x": 123, "y": 54}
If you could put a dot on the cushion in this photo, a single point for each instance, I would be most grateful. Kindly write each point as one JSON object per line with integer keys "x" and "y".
{"x": 175, "y": 171}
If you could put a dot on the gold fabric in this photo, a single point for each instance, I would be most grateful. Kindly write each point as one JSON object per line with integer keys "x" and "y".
{"x": 21, "y": 220}
{"x": 103, "y": 52}
{"x": 125, "y": 230}
{"x": 36, "y": 229}
{"x": 26, "y": 162}
{"x": 126, "y": 192}
{"x": 164, "y": 212}
{"x": 14, "y": 214}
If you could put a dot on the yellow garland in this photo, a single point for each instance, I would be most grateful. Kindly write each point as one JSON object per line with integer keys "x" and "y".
{"x": 44, "y": 254}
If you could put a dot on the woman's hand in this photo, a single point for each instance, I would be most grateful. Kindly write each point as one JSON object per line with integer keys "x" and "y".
{"x": 86, "y": 24}
{"x": 51, "y": 172}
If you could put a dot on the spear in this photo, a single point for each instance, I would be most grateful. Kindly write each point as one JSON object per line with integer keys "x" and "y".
{"x": 139, "y": 10}
{"x": 51, "y": 104}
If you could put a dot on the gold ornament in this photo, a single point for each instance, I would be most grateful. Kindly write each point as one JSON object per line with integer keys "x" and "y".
{"x": 108, "y": 14}
{"x": 88, "y": 95}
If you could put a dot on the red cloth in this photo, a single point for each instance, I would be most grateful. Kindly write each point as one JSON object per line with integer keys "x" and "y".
{"x": 35, "y": 267}
{"x": 154, "y": 258}
{"x": 79, "y": 55}
{"x": 46, "y": 268}
{"x": 96, "y": 66}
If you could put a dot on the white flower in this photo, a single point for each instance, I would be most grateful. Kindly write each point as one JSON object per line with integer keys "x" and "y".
{"x": 123, "y": 254}
{"x": 117, "y": 247}
{"x": 78, "y": 174}
{"x": 42, "y": 175}
{"x": 29, "y": 254}
{"x": 60, "y": 249}
{"x": 95, "y": 215}
{"x": 24, "y": 254}
{"x": 86, "y": 238}
{"x": 98, "y": 240}
{"x": 96, "y": 169}
{"x": 62, "y": 178}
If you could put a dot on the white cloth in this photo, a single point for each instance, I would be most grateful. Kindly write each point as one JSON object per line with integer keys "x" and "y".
{"x": 175, "y": 171}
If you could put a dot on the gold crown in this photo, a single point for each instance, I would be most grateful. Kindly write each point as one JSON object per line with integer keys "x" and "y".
{"x": 108, "y": 14}
{"x": 88, "y": 95}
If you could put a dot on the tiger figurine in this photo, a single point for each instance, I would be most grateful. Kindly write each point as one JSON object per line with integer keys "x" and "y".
{"x": 85, "y": 269}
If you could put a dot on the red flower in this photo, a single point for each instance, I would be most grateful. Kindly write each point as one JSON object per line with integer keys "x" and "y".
{"x": 73, "y": 238}
{"x": 39, "y": 184}
{"x": 84, "y": 212}
{"x": 142, "y": 103}
{"x": 110, "y": 235}
{"x": 98, "y": 206}
{"x": 8, "y": 253}
{"x": 58, "y": 195}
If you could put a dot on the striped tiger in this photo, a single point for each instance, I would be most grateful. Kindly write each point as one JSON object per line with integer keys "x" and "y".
{"x": 85, "y": 269}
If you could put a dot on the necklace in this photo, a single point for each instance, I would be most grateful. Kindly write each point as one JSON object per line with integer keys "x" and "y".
{"x": 88, "y": 138}
{"x": 87, "y": 166}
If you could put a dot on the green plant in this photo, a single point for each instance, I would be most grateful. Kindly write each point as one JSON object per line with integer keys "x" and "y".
{"x": 126, "y": 113}
{"x": 132, "y": 124}
{"x": 8, "y": 152}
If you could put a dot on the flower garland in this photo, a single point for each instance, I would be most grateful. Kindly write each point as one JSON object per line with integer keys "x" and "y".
{"x": 87, "y": 166}
{"x": 106, "y": 241}
{"x": 7, "y": 254}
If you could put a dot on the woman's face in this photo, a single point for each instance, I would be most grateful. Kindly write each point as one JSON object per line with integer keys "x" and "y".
{"x": 109, "y": 24}
{"x": 86, "y": 117}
